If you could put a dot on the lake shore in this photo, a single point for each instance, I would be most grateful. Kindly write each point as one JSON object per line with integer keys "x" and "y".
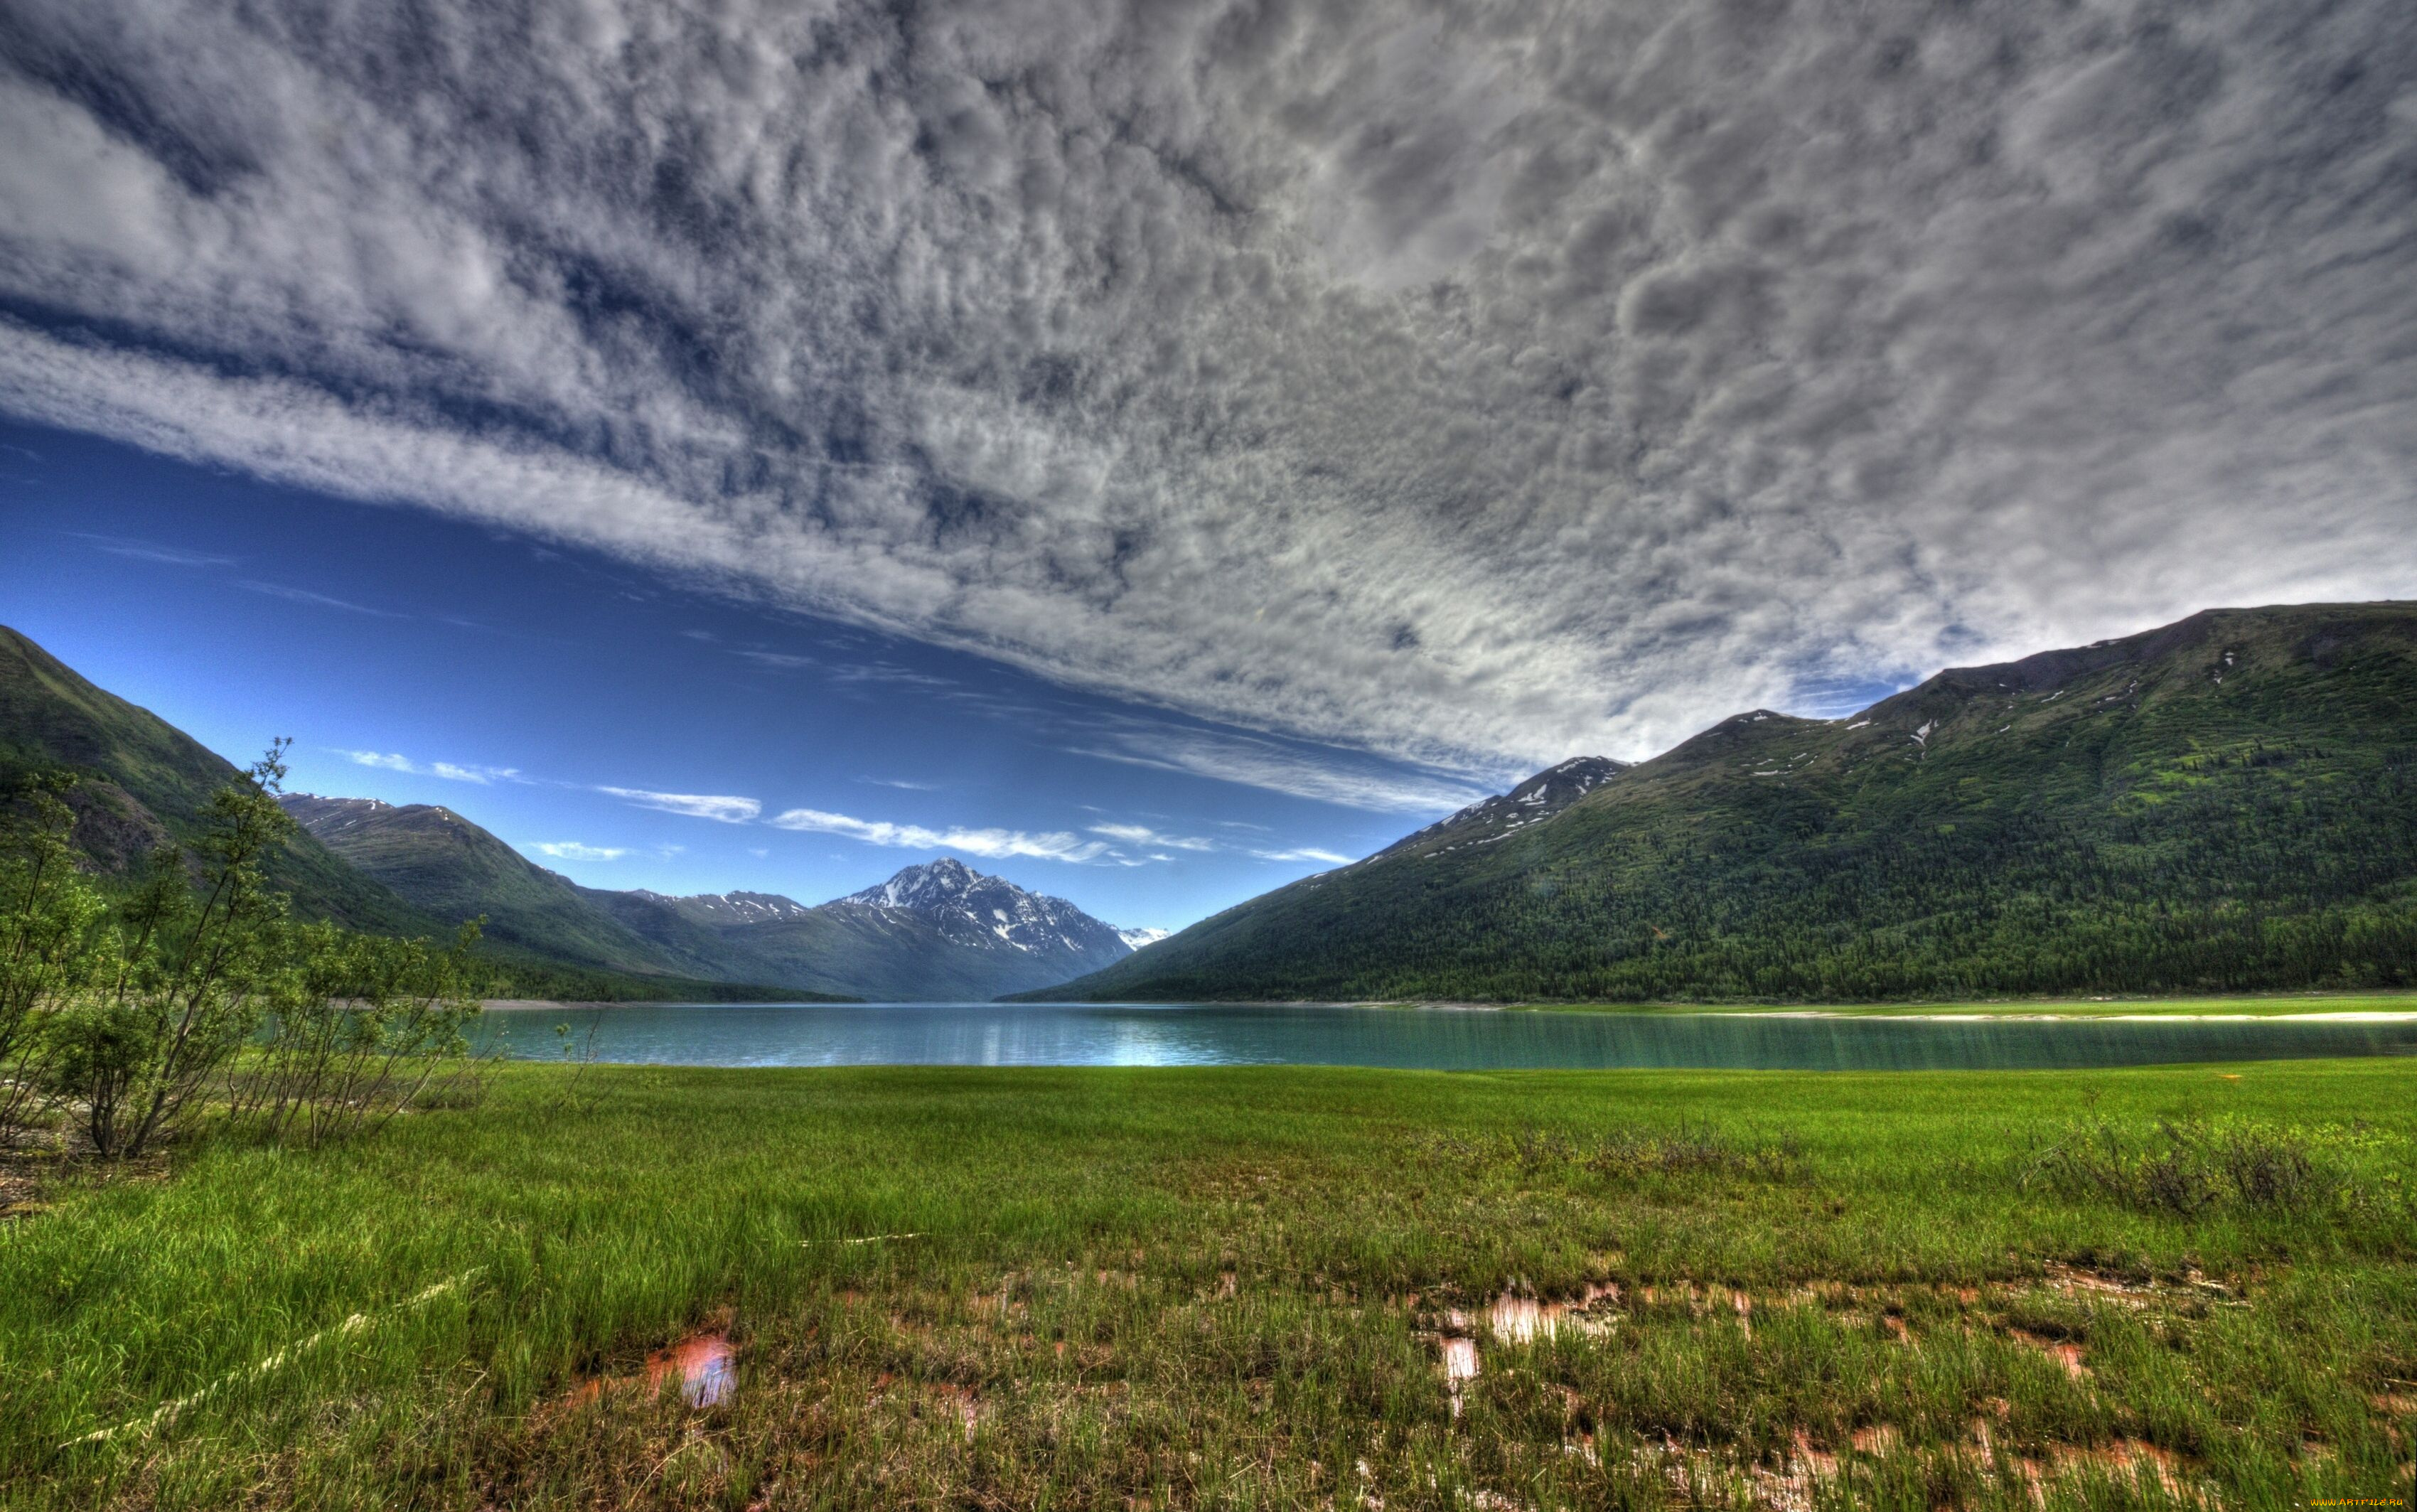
{"x": 2346, "y": 1008}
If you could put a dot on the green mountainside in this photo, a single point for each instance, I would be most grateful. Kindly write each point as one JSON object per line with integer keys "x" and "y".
{"x": 2226, "y": 804}
{"x": 930, "y": 950}
{"x": 142, "y": 781}
{"x": 452, "y": 869}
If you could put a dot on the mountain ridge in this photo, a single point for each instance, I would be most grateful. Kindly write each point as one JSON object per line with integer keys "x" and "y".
{"x": 936, "y": 930}
{"x": 2228, "y": 802}
{"x": 143, "y": 782}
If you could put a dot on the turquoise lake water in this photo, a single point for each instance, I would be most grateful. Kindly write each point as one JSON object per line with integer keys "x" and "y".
{"x": 1218, "y": 1034}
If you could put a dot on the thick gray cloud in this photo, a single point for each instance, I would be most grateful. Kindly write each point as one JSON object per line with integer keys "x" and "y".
{"x": 1471, "y": 384}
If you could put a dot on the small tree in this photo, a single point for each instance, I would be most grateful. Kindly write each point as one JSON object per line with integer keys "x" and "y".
{"x": 194, "y": 971}
{"x": 50, "y": 923}
{"x": 196, "y": 985}
{"x": 354, "y": 1034}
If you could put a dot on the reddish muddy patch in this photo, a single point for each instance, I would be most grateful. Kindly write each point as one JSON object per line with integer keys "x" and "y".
{"x": 2063, "y": 1352}
{"x": 1878, "y": 1439}
{"x": 1818, "y": 1461}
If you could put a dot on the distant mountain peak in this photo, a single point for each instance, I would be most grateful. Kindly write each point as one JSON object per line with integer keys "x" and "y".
{"x": 931, "y": 884}
{"x": 967, "y": 903}
{"x": 1138, "y": 938}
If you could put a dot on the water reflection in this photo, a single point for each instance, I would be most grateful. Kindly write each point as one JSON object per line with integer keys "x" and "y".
{"x": 994, "y": 1034}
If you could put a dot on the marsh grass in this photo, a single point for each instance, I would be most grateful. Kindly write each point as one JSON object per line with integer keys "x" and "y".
{"x": 1230, "y": 1288}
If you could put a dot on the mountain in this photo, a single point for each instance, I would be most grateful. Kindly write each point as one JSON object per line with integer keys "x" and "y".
{"x": 453, "y": 870}
{"x": 720, "y": 909}
{"x": 2228, "y": 803}
{"x": 940, "y": 931}
{"x": 142, "y": 781}
{"x": 990, "y": 912}
{"x": 1540, "y": 797}
{"x": 935, "y": 931}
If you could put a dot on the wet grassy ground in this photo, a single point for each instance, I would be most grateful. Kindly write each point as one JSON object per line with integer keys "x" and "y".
{"x": 1240, "y": 1286}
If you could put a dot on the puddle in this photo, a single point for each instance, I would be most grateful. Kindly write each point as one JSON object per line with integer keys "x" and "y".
{"x": 702, "y": 1363}
{"x": 1520, "y": 1320}
{"x": 2074, "y": 1278}
{"x": 1515, "y": 1320}
{"x": 1459, "y": 1361}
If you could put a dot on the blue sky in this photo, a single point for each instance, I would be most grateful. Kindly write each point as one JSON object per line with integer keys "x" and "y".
{"x": 420, "y": 659}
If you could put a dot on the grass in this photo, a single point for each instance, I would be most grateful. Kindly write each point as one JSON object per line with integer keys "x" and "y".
{"x": 1229, "y": 1288}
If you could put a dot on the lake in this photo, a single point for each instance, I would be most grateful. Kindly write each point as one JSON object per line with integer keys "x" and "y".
{"x": 1456, "y": 1039}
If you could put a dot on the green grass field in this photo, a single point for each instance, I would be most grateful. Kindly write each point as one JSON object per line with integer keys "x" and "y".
{"x": 1236, "y": 1288}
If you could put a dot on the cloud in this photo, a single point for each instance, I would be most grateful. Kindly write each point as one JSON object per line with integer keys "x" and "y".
{"x": 1305, "y": 853}
{"x": 143, "y": 551}
{"x": 449, "y": 771}
{"x": 316, "y": 601}
{"x": 574, "y": 850}
{"x": 1144, "y": 835}
{"x": 1329, "y": 777}
{"x": 992, "y": 843}
{"x": 696, "y": 805}
{"x": 1474, "y": 387}
{"x": 900, "y": 783}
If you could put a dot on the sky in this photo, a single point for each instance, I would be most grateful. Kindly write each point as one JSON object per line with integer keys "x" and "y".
{"x": 1216, "y": 414}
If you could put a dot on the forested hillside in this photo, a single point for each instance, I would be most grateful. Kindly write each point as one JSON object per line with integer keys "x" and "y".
{"x": 2228, "y": 803}
{"x": 142, "y": 782}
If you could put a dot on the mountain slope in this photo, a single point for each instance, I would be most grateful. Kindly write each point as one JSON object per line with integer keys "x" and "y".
{"x": 2226, "y": 803}
{"x": 936, "y": 932}
{"x": 143, "y": 781}
{"x": 941, "y": 932}
{"x": 454, "y": 870}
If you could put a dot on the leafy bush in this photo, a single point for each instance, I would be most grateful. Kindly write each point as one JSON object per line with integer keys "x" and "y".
{"x": 2189, "y": 1170}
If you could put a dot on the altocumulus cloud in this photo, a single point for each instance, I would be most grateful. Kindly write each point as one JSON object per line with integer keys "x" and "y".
{"x": 1472, "y": 383}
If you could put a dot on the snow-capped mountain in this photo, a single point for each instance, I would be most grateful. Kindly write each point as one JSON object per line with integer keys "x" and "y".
{"x": 1138, "y": 938}
{"x": 1538, "y": 798}
{"x": 970, "y": 908}
{"x": 733, "y": 908}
